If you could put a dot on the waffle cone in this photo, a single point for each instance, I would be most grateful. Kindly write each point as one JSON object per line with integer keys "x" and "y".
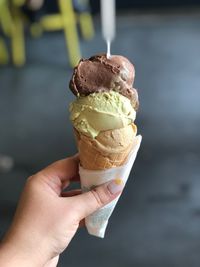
{"x": 109, "y": 149}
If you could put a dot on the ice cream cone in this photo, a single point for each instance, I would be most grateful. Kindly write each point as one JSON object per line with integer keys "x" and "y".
{"x": 103, "y": 116}
{"x": 96, "y": 223}
{"x": 109, "y": 149}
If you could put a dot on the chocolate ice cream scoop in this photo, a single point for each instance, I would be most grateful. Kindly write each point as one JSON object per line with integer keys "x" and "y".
{"x": 100, "y": 74}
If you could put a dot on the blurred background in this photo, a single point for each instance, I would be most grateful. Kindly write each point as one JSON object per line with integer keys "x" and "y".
{"x": 156, "y": 222}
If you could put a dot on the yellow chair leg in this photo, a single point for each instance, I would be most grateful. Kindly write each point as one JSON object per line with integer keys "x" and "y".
{"x": 86, "y": 25}
{"x": 5, "y": 19}
{"x": 36, "y": 30}
{"x": 70, "y": 31}
{"x": 17, "y": 41}
{"x": 4, "y": 57}
{"x": 51, "y": 22}
{"x": 18, "y": 2}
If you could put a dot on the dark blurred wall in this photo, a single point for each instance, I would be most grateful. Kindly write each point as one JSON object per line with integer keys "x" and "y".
{"x": 126, "y": 4}
{"x": 51, "y": 6}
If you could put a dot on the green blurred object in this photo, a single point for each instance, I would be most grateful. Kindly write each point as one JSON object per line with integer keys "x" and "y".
{"x": 86, "y": 25}
{"x": 11, "y": 22}
{"x": 84, "y": 18}
{"x": 4, "y": 57}
{"x": 66, "y": 20}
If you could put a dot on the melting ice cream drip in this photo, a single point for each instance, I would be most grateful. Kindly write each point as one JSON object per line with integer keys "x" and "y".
{"x": 108, "y": 55}
{"x": 108, "y": 22}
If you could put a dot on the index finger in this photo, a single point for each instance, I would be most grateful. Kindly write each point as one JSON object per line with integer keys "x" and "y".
{"x": 60, "y": 172}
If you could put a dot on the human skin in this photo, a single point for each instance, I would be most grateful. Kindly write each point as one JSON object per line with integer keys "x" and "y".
{"x": 47, "y": 218}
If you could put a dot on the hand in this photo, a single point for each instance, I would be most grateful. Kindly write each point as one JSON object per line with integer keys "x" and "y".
{"x": 47, "y": 218}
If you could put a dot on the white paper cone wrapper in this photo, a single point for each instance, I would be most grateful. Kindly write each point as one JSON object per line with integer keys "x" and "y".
{"x": 96, "y": 223}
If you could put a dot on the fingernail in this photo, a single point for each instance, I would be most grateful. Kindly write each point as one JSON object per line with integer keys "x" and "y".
{"x": 116, "y": 186}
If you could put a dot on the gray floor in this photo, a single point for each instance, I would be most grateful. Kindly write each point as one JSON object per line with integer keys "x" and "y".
{"x": 156, "y": 222}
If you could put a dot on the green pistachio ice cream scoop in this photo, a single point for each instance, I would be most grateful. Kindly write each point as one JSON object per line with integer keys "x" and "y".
{"x": 101, "y": 111}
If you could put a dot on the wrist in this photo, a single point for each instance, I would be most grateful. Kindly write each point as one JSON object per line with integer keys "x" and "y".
{"x": 14, "y": 253}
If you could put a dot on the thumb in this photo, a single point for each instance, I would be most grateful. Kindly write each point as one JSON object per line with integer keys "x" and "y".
{"x": 87, "y": 203}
